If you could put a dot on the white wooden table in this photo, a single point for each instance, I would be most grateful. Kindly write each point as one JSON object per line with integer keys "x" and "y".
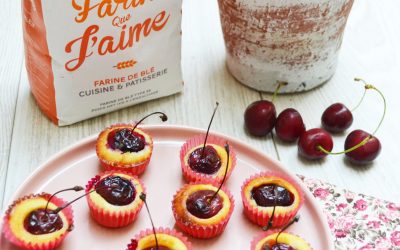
{"x": 371, "y": 49}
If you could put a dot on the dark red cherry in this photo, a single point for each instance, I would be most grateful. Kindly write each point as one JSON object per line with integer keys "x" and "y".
{"x": 116, "y": 190}
{"x": 126, "y": 140}
{"x": 260, "y": 117}
{"x": 207, "y": 162}
{"x": 201, "y": 204}
{"x": 158, "y": 248}
{"x": 281, "y": 246}
{"x": 41, "y": 222}
{"x": 366, "y": 153}
{"x": 289, "y": 125}
{"x": 310, "y": 140}
{"x": 337, "y": 118}
{"x": 272, "y": 195}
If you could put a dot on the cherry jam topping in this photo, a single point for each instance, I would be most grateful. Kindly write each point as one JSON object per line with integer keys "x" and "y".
{"x": 272, "y": 195}
{"x": 39, "y": 222}
{"x": 208, "y": 162}
{"x": 116, "y": 190}
{"x": 126, "y": 140}
{"x": 159, "y": 248}
{"x": 279, "y": 246}
{"x": 200, "y": 204}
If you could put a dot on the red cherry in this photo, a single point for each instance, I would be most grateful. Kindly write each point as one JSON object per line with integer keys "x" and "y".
{"x": 337, "y": 118}
{"x": 289, "y": 125}
{"x": 367, "y": 152}
{"x": 311, "y": 139}
{"x": 260, "y": 117}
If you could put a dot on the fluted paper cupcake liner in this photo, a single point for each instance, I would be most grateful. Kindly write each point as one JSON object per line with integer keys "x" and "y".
{"x": 263, "y": 235}
{"x": 10, "y": 236}
{"x": 105, "y": 217}
{"x": 160, "y": 230}
{"x": 134, "y": 168}
{"x": 203, "y": 231}
{"x": 193, "y": 176}
{"x": 260, "y": 217}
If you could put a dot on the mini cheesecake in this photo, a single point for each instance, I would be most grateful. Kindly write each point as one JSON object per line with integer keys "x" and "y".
{"x": 29, "y": 225}
{"x": 206, "y": 165}
{"x": 199, "y": 214}
{"x": 167, "y": 240}
{"x": 273, "y": 240}
{"x": 113, "y": 198}
{"x": 119, "y": 147}
{"x": 262, "y": 192}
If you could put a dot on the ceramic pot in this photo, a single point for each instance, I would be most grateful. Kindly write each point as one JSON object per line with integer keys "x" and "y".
{"x": 293, "y": 41}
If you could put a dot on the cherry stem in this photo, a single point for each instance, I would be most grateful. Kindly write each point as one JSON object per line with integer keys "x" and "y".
{"x": 271, "y": 219}
{"x": 59, "y": 209}
{"x": 360, "y": 101}
{"x": 76, "y": 189}
{"x": 163, "y": 117}
{"x": 143, "y": 197}
{"x": 226, "y": 172}
{"x": 280, "y": 84}
{"x": 294, "y": 220}
{"x": 363, "y": 142}
{"x": 208, "y": 129}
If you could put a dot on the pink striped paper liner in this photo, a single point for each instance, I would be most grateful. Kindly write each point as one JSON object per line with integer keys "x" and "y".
{"x": 193, "y": 176}
{"x": 260, "y": 217}
{"x": 9, "y": 235}
{"x": 105, "y": 217}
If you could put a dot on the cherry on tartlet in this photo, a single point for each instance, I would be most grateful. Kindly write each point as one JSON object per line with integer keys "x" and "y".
{"x": 168, "y": 239}
{"x": 113, "y": 198}
{"x": 275, "y": 240}
{"x": 269, "y": 194}
{"x": 202, "y": 210}
{"x": 33, "y": 223}
{"x": 119, "y": 147}
{"x": 208, "y": 166}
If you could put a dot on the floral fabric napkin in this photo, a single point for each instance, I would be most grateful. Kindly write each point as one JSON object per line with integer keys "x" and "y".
{"x": 357, "y": 221}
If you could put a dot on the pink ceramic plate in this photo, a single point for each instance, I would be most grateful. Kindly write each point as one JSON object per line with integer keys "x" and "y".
{"x": 78, "y": 163}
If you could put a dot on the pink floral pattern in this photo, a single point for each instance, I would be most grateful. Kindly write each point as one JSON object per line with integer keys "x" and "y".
{"x": 357, "y": 221}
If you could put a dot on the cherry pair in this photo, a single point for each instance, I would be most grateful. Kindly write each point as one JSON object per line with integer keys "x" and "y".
{"x": 360, "y": 147}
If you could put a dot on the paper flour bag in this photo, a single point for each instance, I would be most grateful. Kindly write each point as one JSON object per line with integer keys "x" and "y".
{"x": 88, "y": 57}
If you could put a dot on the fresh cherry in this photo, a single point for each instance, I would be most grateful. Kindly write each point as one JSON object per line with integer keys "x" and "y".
{"x": 201, "y": 204}
{"x": 206, "y": 161}
{"x": 367, "y": 152}
{"x": 116, "y": 190}
{"x": 272, "y": 195}
{"x": 279, "y": 246}
{"x": 143, "y": 197}
{"x": 42, "y": 221}
{"x": 126, "y": 140}
{"x": 289, "y": 125}
{"x": 337, "y": 118}
{"x": 260, "y": 117}
{"x": 310, "y": 142}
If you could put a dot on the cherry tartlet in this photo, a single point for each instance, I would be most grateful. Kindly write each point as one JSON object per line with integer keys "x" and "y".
{"x": 121, "y": 147}
{"x": 199, "y": 212}
{"x": 274, "y": 240}
{"x": 269, "y": 194}
{"x": 207, "y": 166}
{"x": 29, "y": 225}
{"x": 113, "y": 198}
{"x": 167, "y": 240}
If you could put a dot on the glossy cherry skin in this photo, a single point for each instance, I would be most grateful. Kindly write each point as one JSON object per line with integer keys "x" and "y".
{"x": 337, "y": 118}
{"x": 40, "y": 222}
{"x": 366, "y": 153}
{"x": 207, "y": 162}
{"x": 310, "y": 140}
{"x": 272, "y": 195}
{"x": 260, "y": 117}
{"x": 289, "y": 125}
{"x": 200, "y": 204}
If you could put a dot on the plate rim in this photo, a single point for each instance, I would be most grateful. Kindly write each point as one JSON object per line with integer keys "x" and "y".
{"x": 88, "y": 139}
